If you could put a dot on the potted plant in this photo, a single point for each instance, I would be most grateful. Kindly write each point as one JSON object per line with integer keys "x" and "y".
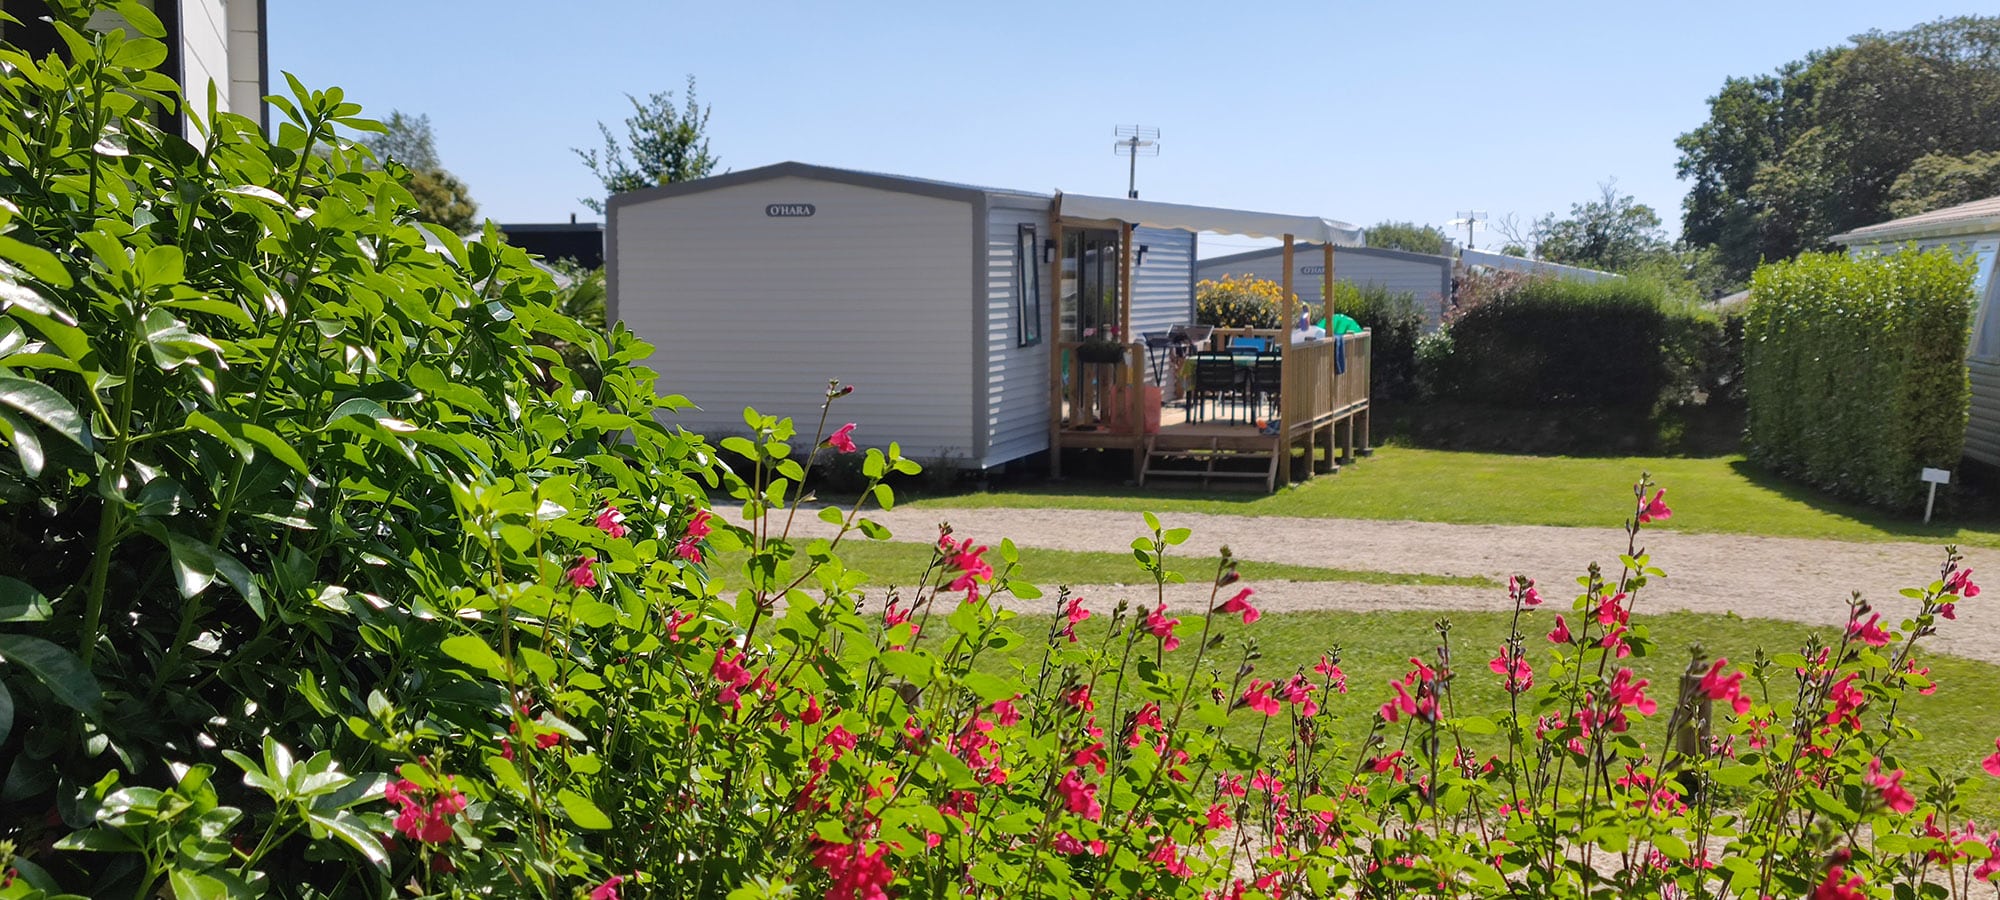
{"x": 1100, "y": 346}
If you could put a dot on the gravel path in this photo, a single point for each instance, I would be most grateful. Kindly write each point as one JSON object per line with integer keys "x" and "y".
{"x": 1781, "y": 578}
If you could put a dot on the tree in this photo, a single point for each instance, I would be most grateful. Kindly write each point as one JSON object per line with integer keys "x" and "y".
{"x": 1817, "y": 147}
{"x": 663, "y": 145}
{"x": 1936, "y": 181}
{"x": 1613, "y": 233}
{"x": 1406, "y": 236}
{"x": 408, "y": 144}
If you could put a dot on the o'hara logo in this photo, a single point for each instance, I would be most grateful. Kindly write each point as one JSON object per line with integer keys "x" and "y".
{"x": 789, "y": 210}
{"x": 1311, "y": 270}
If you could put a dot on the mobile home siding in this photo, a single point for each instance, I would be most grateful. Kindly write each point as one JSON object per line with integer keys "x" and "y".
{"x": 1017, "y": 377}
{"x": 1161, "y": 294}
{"x": 1426, "y": 278}
{"x": 1982, "y": 431}
{"x": 743, "y": 308}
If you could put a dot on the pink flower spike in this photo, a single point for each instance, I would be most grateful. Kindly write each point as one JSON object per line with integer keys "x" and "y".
{"x": 1163, "y": 627}
{"x": 842, "y": 438}
{"x": 1992, "y": 763}
{"x": 1560, "y": 635}
{"x": 581, "y": 575}
{"x": 1241, "y": 604}
{"x": 1656, "y": 509}
{"x": 608, "y": 890}
{"x": 611, "y": 522}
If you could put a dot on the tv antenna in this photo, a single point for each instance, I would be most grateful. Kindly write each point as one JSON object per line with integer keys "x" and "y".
{"x": 1471, "y": 220}
{"x": 1135, "y": 141}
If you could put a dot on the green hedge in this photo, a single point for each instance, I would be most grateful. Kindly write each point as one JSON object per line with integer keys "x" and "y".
{"x": 1855, "y": 370}
{"x": 1552, "y": 342}
{"x": 1396, "y": 323}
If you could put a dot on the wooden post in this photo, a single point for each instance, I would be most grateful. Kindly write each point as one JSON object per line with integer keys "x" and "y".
{"x": 1055, "y": 338}
{"x": 1289, "y": 377}
{"x": 1131, "y": 377}
{"x": 1332, "y": 374}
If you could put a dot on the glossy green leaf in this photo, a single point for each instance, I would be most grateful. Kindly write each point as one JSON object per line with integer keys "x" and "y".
{"x": 582, "y": 811}
{"x": 43, "y": 404}
{"x": 56, "y": 668}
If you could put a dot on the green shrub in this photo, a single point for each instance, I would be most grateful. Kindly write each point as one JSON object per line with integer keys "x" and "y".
{"x": 1396, "y": 323}
{"x": 1855, "y": 370}
{"x": 1558, "y": 342}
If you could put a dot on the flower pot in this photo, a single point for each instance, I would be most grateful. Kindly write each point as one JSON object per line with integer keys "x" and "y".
{"x": 1100, "y": 352}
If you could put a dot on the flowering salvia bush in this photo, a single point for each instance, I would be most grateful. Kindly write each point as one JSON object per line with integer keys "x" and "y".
{"x": 321, "y": 575}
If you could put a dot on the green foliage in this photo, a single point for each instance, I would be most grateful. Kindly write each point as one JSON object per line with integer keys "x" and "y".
{"x": 1612, "y": 233}
{"x": 441, "y": 198}
{"x": 1855, "y": 371}
{"x": 1551, "y": 341}
{"x": 1240, "y": 302}
{"x": 1397, "y": 324}
{"x": 1815, "y": 148}
{"x": 1407, "y": 236}
{"x": 663, "y": 145}
{"x": 1936, "y": 181}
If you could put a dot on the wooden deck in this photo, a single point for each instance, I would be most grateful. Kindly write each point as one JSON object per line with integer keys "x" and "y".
{"x": 1323, "y": 410}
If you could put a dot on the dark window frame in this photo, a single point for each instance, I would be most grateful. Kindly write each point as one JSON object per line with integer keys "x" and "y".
{"x": 1027, "y": 285}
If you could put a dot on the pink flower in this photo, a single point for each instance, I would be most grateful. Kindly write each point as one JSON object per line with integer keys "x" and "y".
{"x": 1523, "y": 589}
{"x": 731, "y": 675}
{"x": 1064, "y": 843}
{"x": 428, "y": 823}
{"x": 611, "y": 522}
{"x": 1838, "y": 885}
{"x": 1074, "y": 615}
{"x": 1258, "y": 697}
{"x": 1627, "y": 693}
{"x": 608, "y": 890}
{"x": 1402, "y": 705}
{"x": 1896, "y": 796}
{"x": 1560, "y": 635}
{"x": 689, "y": 549}
{"x": 1717, "y": 686}
{"x": 1163, "y": 627}
{"x": 1298, "y": 692}
{"x": 698, "y": 526}
{"x": 842, "y": 438}
{"x": 580, "y": 574}
{"x": 971, "y": 565}
{"x": 811, "y": 715}
{"x": 1869, "y": 632}
{"x": 858, "y": 874}
{"x": 1078, "y": 797}
{"x": 1847, "y": 702}
{"x": 1335, "y": 679}
{"x": 1960, "y": 583}
{"x": 1519, "y": 676}
{"x": 1992, "y": 763}
{"x": 689, "y": 545}
{"x": 1240, "y": 604}
{"x": 1655, "y": 509}
{"x": 1167, "y": 854}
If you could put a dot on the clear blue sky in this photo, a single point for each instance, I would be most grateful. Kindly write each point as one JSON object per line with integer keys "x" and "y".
{"x": 1361, "y": 111}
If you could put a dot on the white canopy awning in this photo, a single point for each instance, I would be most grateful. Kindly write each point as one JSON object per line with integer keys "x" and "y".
{"x": 1207, "y": 218}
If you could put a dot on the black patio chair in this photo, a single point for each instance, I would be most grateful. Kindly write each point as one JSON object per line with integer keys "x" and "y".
{"x": 1267, "y": 380}
{"x": 1216, "y": 379}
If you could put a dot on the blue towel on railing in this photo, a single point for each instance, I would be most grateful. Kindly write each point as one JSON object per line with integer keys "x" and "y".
{"x": 1340, "y": 356}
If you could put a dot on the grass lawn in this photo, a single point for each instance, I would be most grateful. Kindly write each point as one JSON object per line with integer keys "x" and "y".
{"x": 1717, "y": 494}
{"x": 1958, "y": 727}
{"x": 902, "y": 562}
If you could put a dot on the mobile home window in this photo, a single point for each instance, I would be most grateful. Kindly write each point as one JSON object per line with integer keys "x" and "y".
{"x": 1027, "y": 286}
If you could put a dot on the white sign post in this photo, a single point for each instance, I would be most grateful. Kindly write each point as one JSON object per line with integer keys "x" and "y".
{"x": 1934, "y": 477}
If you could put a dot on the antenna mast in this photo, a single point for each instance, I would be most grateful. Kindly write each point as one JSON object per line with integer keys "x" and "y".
{"x": 1471, "y": 220}
{"x": 1135, "y": 141}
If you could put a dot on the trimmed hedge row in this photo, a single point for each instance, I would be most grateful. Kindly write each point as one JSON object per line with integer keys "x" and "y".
{"x": 1560, "y": 343}
{"x": 1855, "y": 371}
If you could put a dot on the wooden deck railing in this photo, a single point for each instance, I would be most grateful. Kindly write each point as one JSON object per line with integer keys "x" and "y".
{"x": 1318, "y": 387}
{"x": 1097, "y": 396}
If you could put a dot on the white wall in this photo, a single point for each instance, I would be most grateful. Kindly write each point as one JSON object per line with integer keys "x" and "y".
{"x": 1017, "y": 378}
{"x": 246, "y": 63}
{"x": 205, "y": 53}
{"x": 744, "y": 309}
{"x": 1162, "y": 289}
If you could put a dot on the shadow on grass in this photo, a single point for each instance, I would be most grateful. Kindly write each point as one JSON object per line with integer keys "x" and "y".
{"x": 1969, "y": 508}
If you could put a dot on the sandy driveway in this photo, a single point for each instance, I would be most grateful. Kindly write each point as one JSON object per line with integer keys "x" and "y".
{"x": 1783, "y": 578}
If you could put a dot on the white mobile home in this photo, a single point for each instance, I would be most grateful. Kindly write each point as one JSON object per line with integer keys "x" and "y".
{"x": 1505, "y": 263}
{"x": 1426, "y": 278}
{"x": 931, "y": 298}
{"x": 1973, "y": 231}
